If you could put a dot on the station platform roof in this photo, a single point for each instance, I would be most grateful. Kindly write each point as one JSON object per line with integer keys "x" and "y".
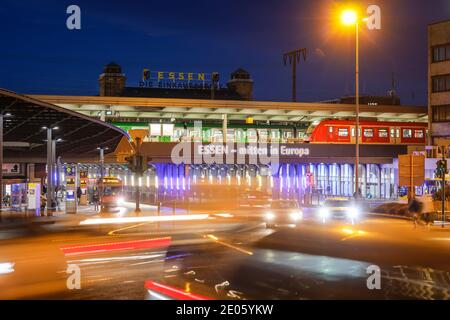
{"x": 195, "y": 109}
{"x": 24, "y": 136}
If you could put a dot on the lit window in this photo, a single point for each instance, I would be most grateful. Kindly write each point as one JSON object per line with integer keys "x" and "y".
{"x": 392, "y": 133}
{"x": 418, "y": 134}
{"x": 368, "y": 133}
{"x": 343, "y": 132}
{"x": 353, "y": 132}
{"x": 383, "y": 133}
{"x": 407, "y": 133}
{"x": 398, "y": 133}
{"x": 330, "y": 129}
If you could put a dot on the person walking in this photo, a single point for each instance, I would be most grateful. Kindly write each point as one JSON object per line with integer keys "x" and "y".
{"x": 427, "y": 213}
{"x": 415, "y": 208}
{"x": 43, "y": 204}
{"x": 96, "y": 200}
{"x": 79, "y": 193}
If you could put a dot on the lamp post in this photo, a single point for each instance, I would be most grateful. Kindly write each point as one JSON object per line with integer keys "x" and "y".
{"x": 350, "y": 17}
{"x": 102, "y": 164}
{"x": 50, "y": 150}
{"x": 2, "y": 116}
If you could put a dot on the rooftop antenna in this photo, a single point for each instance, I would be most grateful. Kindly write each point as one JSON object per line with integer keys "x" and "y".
{"x": 393, "y": 92}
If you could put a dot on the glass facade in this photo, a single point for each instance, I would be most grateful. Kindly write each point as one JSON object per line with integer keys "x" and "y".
{"x": 288, "y": 181}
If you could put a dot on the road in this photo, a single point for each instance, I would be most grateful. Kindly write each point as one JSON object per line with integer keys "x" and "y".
{"x": 116, "y": 258}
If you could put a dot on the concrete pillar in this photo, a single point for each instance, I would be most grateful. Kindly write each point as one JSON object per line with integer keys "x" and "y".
{"x": 224, "y": 127}
{"x": 339, "y": 180}
{"x": 378, "y": 195}
{"x": 364, "y": 188}
{"x": 327, "y": 180}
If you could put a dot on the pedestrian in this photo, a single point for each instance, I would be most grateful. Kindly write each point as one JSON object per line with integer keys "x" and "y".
{"x": 427, "y": 212}
{"x": 7, "y": 200}
{"x": 96, "y": 200}
{"x": 79, "y": 193}
{"x": 43, "y": 203}
{"x": 415, "y": 208}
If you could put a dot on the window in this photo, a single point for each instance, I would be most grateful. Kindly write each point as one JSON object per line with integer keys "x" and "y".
{"x": 441, "y": 113}
{"x": 343, "y": 132}
{"x": 368, "y": 133}
{"x": 418, "y": 134}
{"x": 383, "y": 133}
{"x": 353, "y": 132}
{"x": 441, "y": 53}
{"x": 407, "y": 133}
{"x": 392, "y": 133}
{"x": 441, "y": 83}
{"x": 398, "y": 133}
{"x": 330, "y": 129}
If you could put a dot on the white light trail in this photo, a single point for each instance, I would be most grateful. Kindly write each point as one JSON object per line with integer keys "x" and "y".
{"x": 98, "y": 221}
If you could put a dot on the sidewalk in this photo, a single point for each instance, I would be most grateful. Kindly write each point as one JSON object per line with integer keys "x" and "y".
{"x": 13, "y": 219}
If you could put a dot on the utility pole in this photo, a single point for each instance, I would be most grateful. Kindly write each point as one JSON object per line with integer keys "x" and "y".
{"x": 137, "y": 163}
{"x": 139, "y": 174}
{"x": 294, "y": 57}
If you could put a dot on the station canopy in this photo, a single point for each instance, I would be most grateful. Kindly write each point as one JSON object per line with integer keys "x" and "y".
{"x": 139, "y": 109}
{"x": 78, "y": 136}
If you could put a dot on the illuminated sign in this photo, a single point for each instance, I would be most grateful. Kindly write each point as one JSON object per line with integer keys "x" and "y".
{"x": 181, "y": 80}
{"x": 111, "y": 180}
{"x": 11, "y": 168}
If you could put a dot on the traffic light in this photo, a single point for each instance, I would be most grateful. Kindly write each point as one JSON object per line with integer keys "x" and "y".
{"x": 131, "y": 163}
{"x": 137, "y": 164}
{"x": 441, "y": 168}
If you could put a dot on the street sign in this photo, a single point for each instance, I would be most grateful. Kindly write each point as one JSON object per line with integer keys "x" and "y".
{"x": 411, "y": 170}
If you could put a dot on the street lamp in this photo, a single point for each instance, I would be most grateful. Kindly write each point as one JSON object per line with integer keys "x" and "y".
{"x": 102, "y": 162}
{"x": 349, "y": 17}
{"x": 2, "y": 116}
{"x": 50, "y": 152}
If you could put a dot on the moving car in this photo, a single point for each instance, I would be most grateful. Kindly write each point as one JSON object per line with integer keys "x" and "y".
{"x": 339, "y": 208}
{"x": 283, "y": 212}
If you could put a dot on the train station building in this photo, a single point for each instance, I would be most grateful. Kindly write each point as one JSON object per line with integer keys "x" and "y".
{"x": 199, "y": 110}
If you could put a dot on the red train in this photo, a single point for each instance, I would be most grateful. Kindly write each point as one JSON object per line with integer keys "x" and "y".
{"x": 371, "y": 132}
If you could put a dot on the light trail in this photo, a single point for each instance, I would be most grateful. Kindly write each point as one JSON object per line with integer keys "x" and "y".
{"x": 121, "y": 220}
{"x": 116, "y": 246}
{"x": 214, "y": 238}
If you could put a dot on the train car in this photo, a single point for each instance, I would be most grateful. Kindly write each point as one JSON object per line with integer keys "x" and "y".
{"x": 213, "y": 132}
{"x": 370, "y": 132}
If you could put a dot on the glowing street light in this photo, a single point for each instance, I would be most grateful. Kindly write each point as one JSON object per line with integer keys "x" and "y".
{"x": 350, "y": 17}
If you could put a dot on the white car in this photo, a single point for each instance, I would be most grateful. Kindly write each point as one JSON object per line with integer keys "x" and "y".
{"x": 283, "y": 212}
{"x": 343, "y": 209}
